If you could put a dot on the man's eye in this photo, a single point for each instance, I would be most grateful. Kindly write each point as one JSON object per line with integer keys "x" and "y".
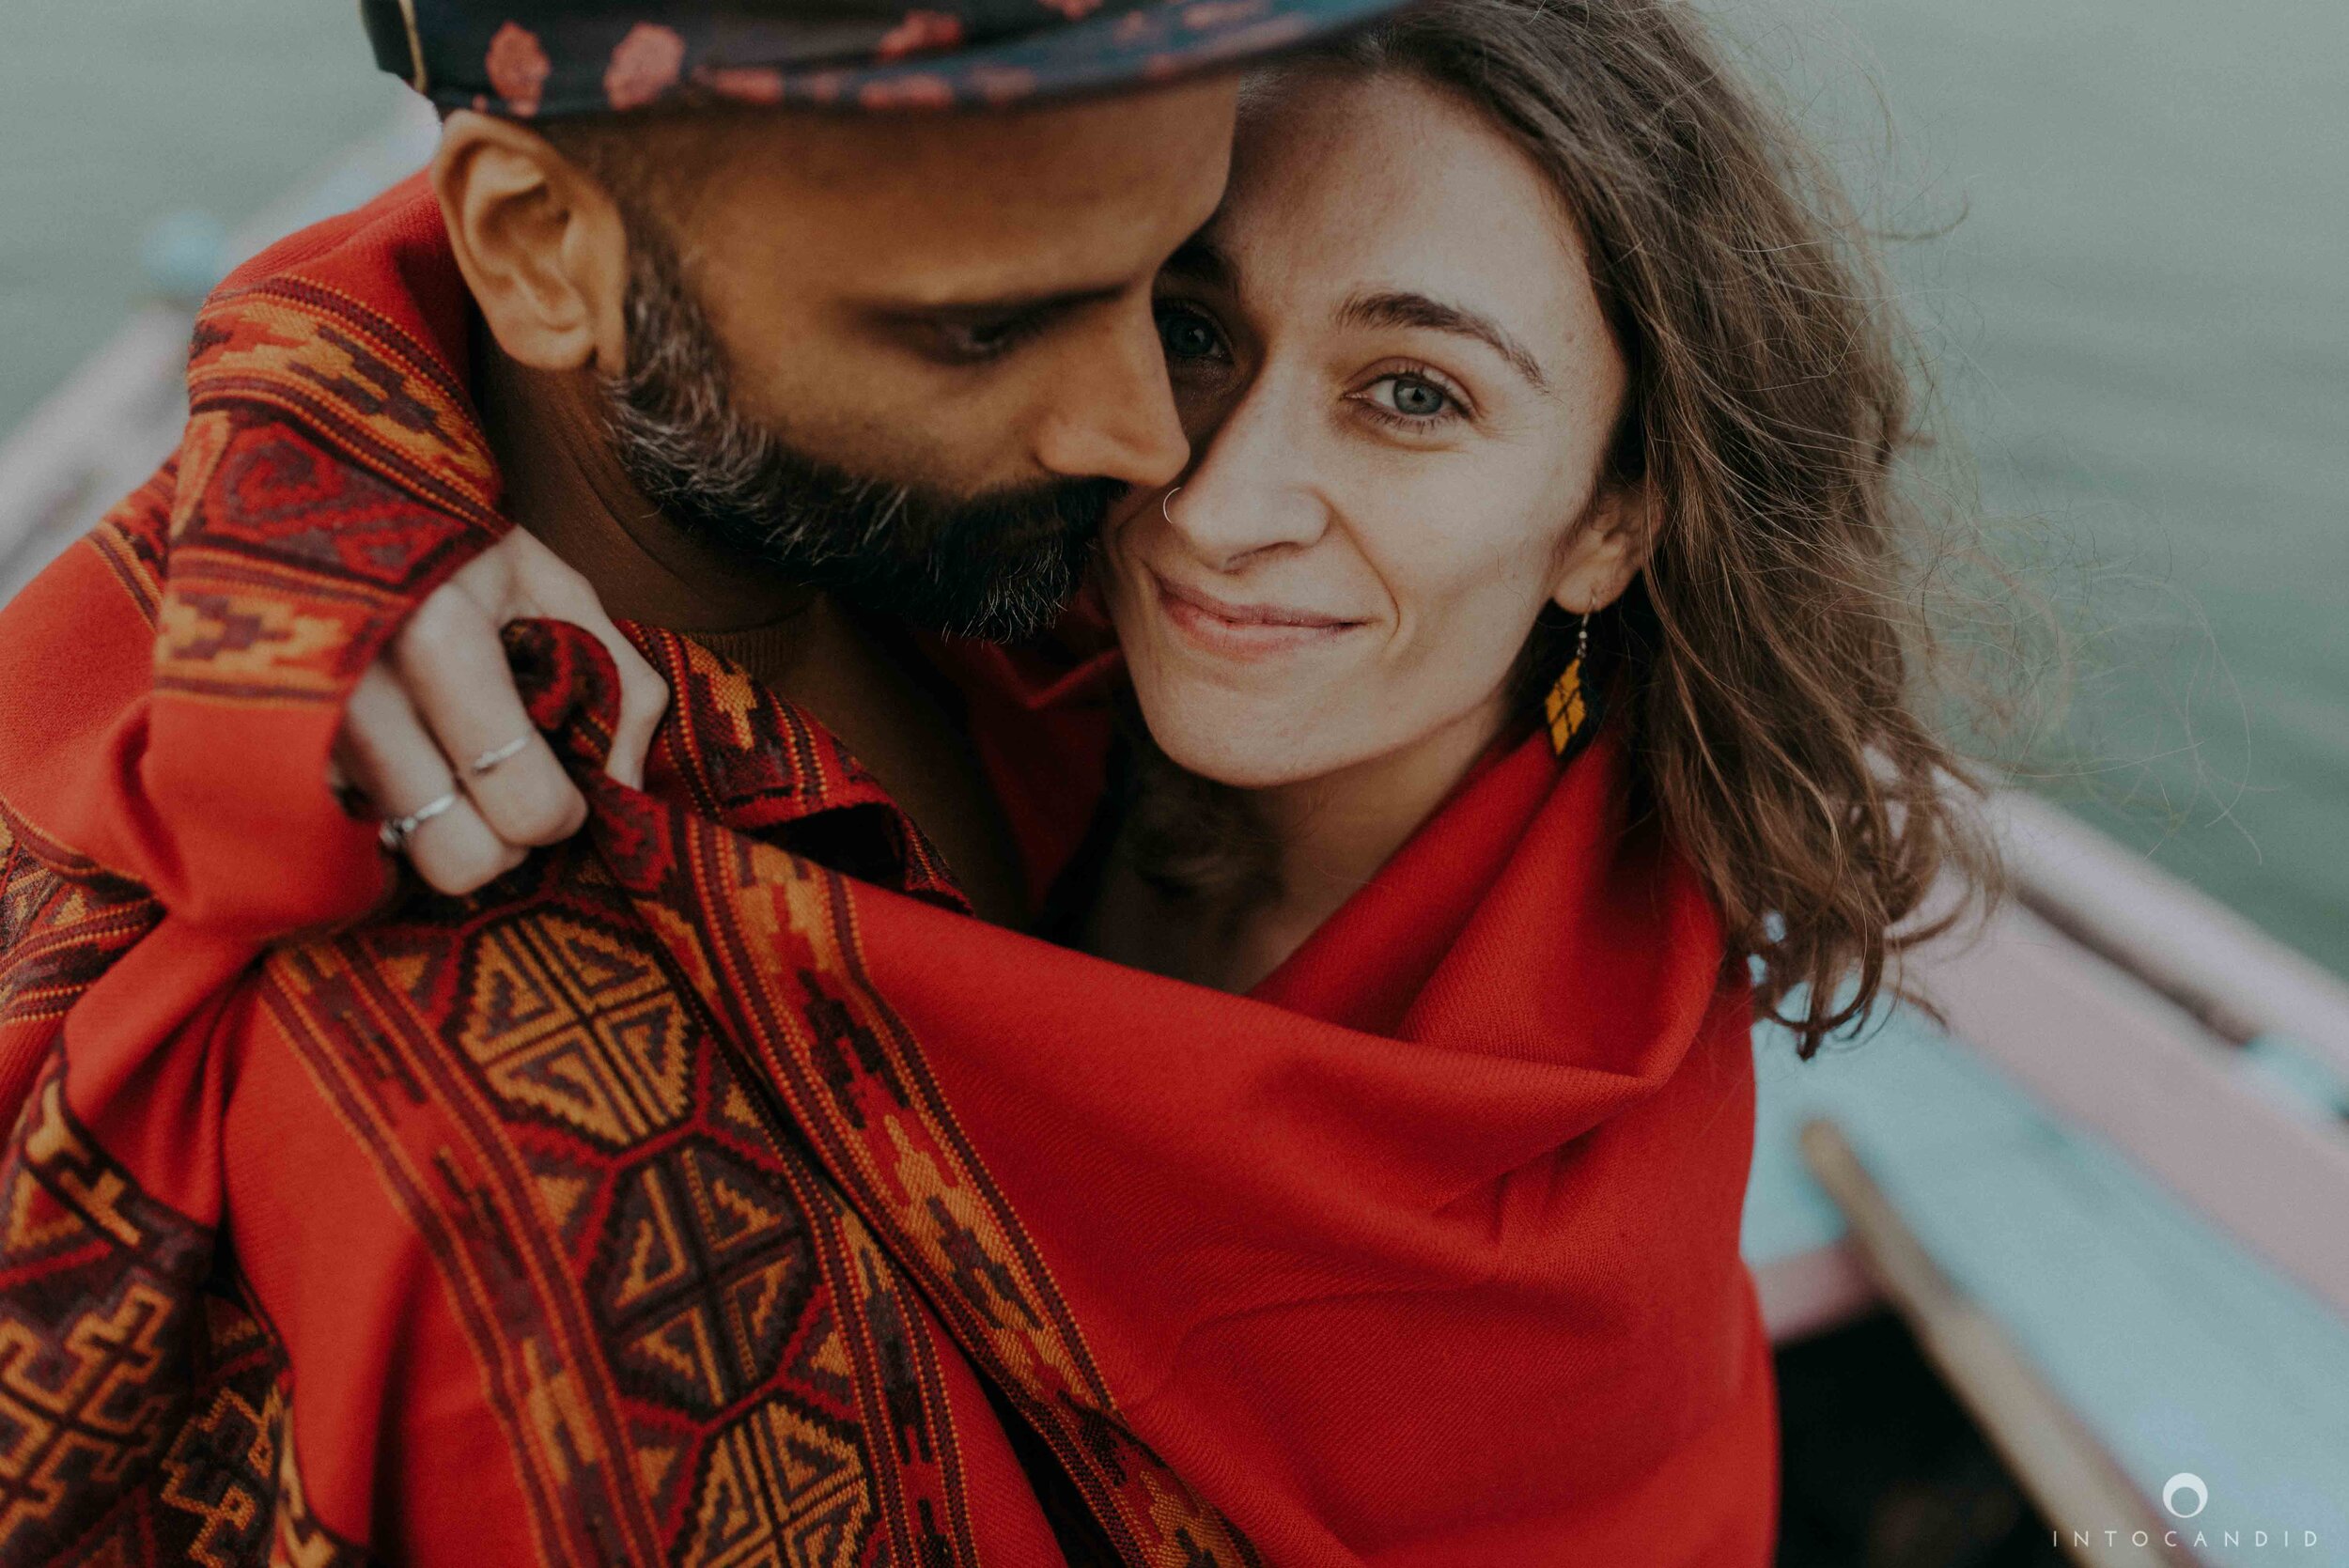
{"x": 1187, "y": 334}
{"x": 973, "y": 341}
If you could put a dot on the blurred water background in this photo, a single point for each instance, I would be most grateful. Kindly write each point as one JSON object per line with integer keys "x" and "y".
{"x": 2134, "y": 286}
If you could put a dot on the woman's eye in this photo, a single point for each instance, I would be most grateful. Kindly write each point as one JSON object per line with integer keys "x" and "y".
{"x": 1186, "y": 334}
{"x": 1412, "y": 396}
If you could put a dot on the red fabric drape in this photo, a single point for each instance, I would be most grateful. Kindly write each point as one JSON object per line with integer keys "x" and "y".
{"x": 686, "y": 1195}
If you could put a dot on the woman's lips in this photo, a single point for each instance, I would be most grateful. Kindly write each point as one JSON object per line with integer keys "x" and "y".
{"x": 1245, "y": 630}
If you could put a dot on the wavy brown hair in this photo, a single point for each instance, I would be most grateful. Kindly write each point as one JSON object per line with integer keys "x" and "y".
{"x": 1777, "y": 651}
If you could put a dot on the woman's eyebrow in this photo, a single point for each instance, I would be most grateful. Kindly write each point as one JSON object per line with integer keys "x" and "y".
{"x": 1401, "y": 309}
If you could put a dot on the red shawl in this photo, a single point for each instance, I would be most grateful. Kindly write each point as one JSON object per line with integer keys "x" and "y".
{"x": 714, "y": 1189}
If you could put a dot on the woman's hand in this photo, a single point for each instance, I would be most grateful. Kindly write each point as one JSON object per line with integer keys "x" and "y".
{"x": 438, "y": 718}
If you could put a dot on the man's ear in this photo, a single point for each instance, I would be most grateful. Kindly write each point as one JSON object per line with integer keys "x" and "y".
{"x": 540, "y": 243}
{"x": 1608, "y": 548}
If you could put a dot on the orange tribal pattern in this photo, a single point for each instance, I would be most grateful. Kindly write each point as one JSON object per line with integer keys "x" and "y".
{"x": 704, "y": 1223}
{"x": 769, "y": 947}
{"x": 112, "y": 1346}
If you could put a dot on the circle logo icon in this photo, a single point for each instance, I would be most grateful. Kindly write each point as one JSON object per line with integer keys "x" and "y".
{"x": 2188, "y": 1481}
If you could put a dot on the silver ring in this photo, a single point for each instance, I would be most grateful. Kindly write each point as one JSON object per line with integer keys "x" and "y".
{"x": 1166, "y": 501}
{"x": 395, "y": 833}
{"x": 496, "y": 755}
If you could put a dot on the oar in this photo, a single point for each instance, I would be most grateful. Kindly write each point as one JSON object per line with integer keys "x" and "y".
{"x": 2067, "y": 1473}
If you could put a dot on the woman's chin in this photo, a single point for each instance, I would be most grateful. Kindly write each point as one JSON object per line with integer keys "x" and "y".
{"x": 1247, "y": 725}
{"x": 1240, "y": 750}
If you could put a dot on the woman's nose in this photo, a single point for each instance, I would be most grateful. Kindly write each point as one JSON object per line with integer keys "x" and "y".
{"x": 1251, "y": 491}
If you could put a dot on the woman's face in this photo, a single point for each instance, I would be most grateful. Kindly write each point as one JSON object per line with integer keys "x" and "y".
{"x": 1401, "y": 388}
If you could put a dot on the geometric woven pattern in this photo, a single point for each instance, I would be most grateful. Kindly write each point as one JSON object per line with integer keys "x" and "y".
{"x": 704, "y": 1273}
{"x": 141, "y": 1413}
{"x": 101, "y": 1294}
{"x": 780, "y": 1491}
{"x": 725, "y": 1336}
{"x": 571, "y": 1023}
{"x": 635, "y": 1105}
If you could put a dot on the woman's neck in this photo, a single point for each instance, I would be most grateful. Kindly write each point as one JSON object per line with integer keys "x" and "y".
{"x": 1329, "y": 837}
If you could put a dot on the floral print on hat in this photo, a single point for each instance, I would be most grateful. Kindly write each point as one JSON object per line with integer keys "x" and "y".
{"x": 542, "y": 58}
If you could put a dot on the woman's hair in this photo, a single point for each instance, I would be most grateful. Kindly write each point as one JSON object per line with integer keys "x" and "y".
{"x": 1774, "y": 652}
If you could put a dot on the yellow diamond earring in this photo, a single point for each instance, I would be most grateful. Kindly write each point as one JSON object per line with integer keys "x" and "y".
{"x": 1563, "y": 707}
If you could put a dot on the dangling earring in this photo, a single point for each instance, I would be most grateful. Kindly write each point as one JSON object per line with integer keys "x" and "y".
{"x": 1563, "y": 706}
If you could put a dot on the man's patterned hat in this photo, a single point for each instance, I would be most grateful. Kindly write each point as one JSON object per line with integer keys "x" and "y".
{"x": 546, "y": 57}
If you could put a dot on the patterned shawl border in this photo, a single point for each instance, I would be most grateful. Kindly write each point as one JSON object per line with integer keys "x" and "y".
{"x": 65, "y": 862}
{"x": 292, "y": 362}
{"x": 819, "y": 777}
{"x": 130, "y": 538}
{"x": 513, "y": 1287}
{"x": 300, "y": 1538}
{"x": 291, "y": 566}
{"x": 470, "y": 1209}
{"x": 421, "y": 358}
{"x": 770, "y": 920}
{"x": 83, "y": 1368}
{"x": 350, "y": 376}
{"x": 238, "y": 1332}
{"x": 823, "y": 775}
{"x": 925, "y": 1478}
{"x": 57, "y": 936}
{"x": 228, "y": 1488}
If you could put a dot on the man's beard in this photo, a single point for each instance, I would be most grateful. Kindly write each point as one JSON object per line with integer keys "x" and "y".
{"x": 999, "y": 566}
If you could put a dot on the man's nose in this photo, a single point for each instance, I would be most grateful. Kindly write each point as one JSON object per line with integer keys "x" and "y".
{"x": 1111, "y": 415}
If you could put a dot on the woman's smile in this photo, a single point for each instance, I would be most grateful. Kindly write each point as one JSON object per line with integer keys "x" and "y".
{"x": 1235, "y": 630}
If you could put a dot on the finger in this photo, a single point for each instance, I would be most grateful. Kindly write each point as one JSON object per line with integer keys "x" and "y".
{"x": 551, "y": 588}
{"x": 644, "y": 698}
{"x": 453, "y": 667}
{"x": 393, "y": 761}
{"x": 349, "y": 796}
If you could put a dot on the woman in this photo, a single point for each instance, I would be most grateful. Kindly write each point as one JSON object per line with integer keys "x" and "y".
{"x": 1525, "y": 696}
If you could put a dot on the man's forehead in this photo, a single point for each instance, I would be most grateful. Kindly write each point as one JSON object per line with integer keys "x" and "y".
{"x": 1174, "y": 139}
{"x": 1069, "y": 199}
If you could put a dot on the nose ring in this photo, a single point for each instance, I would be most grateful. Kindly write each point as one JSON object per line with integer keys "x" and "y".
{"x": 1167, "y": 501}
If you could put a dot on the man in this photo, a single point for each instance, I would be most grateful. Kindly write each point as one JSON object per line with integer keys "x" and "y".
{"x": 611, "y": 1217}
